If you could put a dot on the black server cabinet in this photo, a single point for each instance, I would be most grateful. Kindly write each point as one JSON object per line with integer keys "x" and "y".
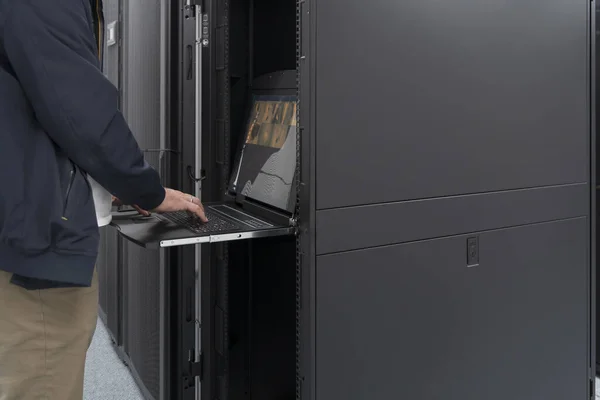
{"x": 147, "y": 276}
{"x": 471, "y": 266}
{"x": 109, "y": 267}
{"x": 231, "y": 346}
{"x": 446, "y": 205}
{"x": 139, "y": 289}
{"x": 109, "y": 260}
{"x": 193, "y": 318}
{"x": 184, "y": 356}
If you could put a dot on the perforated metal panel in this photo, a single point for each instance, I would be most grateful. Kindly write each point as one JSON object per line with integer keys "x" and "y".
{"x": 141, "y": 106}
{"x": 142, "y": 312}
{"x": 113, "y": 286}
{"x": 141, "y": 70}
{"x": 109, "y": 281}
{"x": 107, "y": 263}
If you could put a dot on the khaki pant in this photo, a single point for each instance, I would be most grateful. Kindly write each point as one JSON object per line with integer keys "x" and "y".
{"x": 44, "y": 337}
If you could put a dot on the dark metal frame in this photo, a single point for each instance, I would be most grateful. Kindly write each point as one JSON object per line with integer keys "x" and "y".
{"x": 187, "y": 361}
{"x": 594, "y": 52}
{"x": 306, "y": 258}
{"x": 213, "y": 364}
{"x": 210, "y": 362}
{"x": 181, "y": 274}
{"x": 214, "y": 334}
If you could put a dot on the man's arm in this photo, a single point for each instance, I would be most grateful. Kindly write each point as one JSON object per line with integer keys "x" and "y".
{"x": 53, "y": 53}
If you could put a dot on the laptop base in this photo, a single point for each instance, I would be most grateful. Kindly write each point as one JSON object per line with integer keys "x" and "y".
{"x": 157, "y": 232}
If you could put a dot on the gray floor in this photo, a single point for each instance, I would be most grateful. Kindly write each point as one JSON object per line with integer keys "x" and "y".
{"x": 106, "y": 377}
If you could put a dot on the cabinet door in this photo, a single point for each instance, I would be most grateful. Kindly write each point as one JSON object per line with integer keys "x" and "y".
{"x": 141, "y": 80}
{"x": 414, "y": 321}
{"x": 418, "y": 99}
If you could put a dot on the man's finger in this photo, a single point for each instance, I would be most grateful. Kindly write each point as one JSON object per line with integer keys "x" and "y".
{"x": 141, "y": 211}
{"x": 197, "y": 210}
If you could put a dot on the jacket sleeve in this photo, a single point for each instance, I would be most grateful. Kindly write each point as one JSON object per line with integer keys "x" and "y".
{"x": 53, "y": 53}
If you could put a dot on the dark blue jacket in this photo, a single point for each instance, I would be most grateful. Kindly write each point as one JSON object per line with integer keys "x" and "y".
{"x": 59, "y": 122}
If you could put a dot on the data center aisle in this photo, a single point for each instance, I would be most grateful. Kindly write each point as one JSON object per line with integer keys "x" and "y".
{"x": 106, "y": 377}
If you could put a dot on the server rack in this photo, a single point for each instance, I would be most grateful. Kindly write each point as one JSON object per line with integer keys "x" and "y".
{"x": 155, "y": 289}
{"x": 473, "y": 262}
{"x": 147, "y": 276}
{"x": 183, "y": 368}
{"x": 473, "y": 229}
{"x": 109, "y": 260}
{"x": 230, "y": 332}
{"x": 220, "y": 276}
{"x": 110, "y": 280}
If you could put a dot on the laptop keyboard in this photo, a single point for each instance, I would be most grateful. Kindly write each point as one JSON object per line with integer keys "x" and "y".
{"x": 215, "y": 223}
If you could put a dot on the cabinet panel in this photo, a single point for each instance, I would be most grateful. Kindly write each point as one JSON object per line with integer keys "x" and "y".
{"x": 413, "y": 321}
{"x": 419, "y": 99}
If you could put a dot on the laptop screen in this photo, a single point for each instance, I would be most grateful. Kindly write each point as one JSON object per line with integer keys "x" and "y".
{"x": 265, "y": 167}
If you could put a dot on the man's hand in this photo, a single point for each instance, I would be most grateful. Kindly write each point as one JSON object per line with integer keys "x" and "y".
{"x": 174, "y": 201}
{"x": 178, "y": 201}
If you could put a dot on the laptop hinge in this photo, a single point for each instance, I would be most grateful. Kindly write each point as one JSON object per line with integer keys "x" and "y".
{"x": 263, "y": 211}
{"x": 240, "y": 199}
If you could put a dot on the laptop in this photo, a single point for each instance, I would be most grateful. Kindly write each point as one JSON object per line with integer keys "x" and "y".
{"x": 262, "y": 187}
